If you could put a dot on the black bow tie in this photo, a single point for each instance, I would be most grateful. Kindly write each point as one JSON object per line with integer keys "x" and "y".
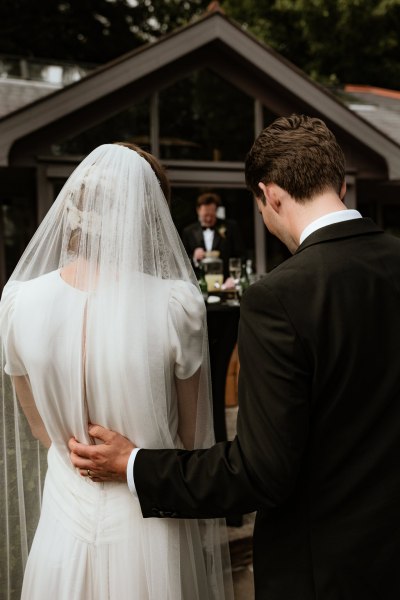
{"x": 204, "y": 227}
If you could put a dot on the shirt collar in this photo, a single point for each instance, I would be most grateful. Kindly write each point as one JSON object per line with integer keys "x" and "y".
{"x": 329, "y": 219}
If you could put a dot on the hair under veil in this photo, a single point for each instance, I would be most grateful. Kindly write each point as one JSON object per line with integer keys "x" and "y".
{"x": 107, "y": 275}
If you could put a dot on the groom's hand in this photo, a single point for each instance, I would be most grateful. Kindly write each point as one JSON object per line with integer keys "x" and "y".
{"x": 102, "y": 462}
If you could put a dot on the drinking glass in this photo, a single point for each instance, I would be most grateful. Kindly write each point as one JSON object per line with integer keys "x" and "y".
{"x": 235, "y": 267}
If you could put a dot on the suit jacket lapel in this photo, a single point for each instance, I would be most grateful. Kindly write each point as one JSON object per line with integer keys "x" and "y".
{"x": 217, "y": 241}
{"x": 198, "y": 236}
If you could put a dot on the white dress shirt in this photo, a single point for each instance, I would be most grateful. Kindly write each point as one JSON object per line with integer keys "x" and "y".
{"x": 328, "y": 219}
{"x": 129, "y": 471}
{"x": 208, "y": 236}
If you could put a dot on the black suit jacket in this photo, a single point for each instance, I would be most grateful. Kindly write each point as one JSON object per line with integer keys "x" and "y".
{"x": 227, "y": 240}
{"x": 318, "y": 444}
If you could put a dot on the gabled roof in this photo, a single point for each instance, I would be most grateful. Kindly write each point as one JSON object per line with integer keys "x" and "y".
{"x": 212, "y": 41}
{"x": 15, "y": 93}
{"x": 378, "y": 106}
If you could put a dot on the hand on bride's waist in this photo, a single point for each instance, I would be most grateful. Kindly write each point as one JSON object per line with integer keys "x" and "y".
{"x": 104, "y": 461}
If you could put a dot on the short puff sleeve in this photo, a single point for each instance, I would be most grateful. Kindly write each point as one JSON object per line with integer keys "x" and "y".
{"x": 186, "y": 325}
{"x": 13, "y": 363}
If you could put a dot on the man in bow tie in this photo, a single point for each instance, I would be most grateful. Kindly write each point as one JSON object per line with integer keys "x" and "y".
{"x": 211, "y": 233}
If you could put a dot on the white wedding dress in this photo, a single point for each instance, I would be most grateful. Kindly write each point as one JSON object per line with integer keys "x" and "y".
{"x": 92, "y": 542}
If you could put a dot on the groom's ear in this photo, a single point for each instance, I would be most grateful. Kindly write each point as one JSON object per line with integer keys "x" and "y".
{"x": 263, "y": 196}
{"x": 272, "y": 194}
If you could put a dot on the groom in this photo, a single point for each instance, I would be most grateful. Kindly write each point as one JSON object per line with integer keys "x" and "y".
{"x": 318, "y": 443}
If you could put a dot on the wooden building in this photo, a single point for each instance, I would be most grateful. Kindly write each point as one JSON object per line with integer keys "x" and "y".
{"x": 196, "y": 98}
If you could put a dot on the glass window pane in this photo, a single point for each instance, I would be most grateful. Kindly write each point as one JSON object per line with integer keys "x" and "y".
{"x": 203, "y": 117}
{"x": 130, "y": 125}
{"x": 269, "y": 116}
{"x": 277, "y": 252}
{"x": 18, "y": 225}
{"x": 391, "y": 219}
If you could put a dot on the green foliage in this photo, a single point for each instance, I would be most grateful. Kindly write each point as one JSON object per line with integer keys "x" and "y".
{"x": 193, "y": 108}
{"x": 91, "y": 31}
{"x": 333, "y": 41}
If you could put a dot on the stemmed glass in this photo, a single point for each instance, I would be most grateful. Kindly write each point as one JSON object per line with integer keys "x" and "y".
{"x": 235, "y": 266}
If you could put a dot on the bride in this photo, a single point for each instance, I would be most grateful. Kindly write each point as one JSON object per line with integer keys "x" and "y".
{"x": 102, "y": 321}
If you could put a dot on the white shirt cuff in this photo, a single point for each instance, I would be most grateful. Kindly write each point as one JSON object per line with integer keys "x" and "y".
{"x": 129, "y": 471}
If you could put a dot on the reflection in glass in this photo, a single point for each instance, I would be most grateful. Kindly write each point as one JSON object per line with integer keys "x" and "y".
{"x": 130, "y": 125}
{"x": 203, "y": 117}
{"x": 268, "y": 116}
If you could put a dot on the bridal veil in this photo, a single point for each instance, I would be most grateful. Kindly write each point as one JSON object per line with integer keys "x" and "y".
{"x": 110, "y": 236}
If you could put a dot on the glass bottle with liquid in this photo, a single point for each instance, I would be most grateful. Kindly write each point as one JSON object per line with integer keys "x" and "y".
{"x": 202, "y": 282}
{"x": 244, "y": 281}
{"x": 213, "y": 271}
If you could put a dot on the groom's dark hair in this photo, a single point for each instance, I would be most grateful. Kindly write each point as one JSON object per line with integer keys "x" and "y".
{"x": 298, "y": 153}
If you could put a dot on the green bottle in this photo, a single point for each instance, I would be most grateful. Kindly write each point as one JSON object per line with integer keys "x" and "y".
{"x": 202, "y": 282}
{"x": 244, "y": 281}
